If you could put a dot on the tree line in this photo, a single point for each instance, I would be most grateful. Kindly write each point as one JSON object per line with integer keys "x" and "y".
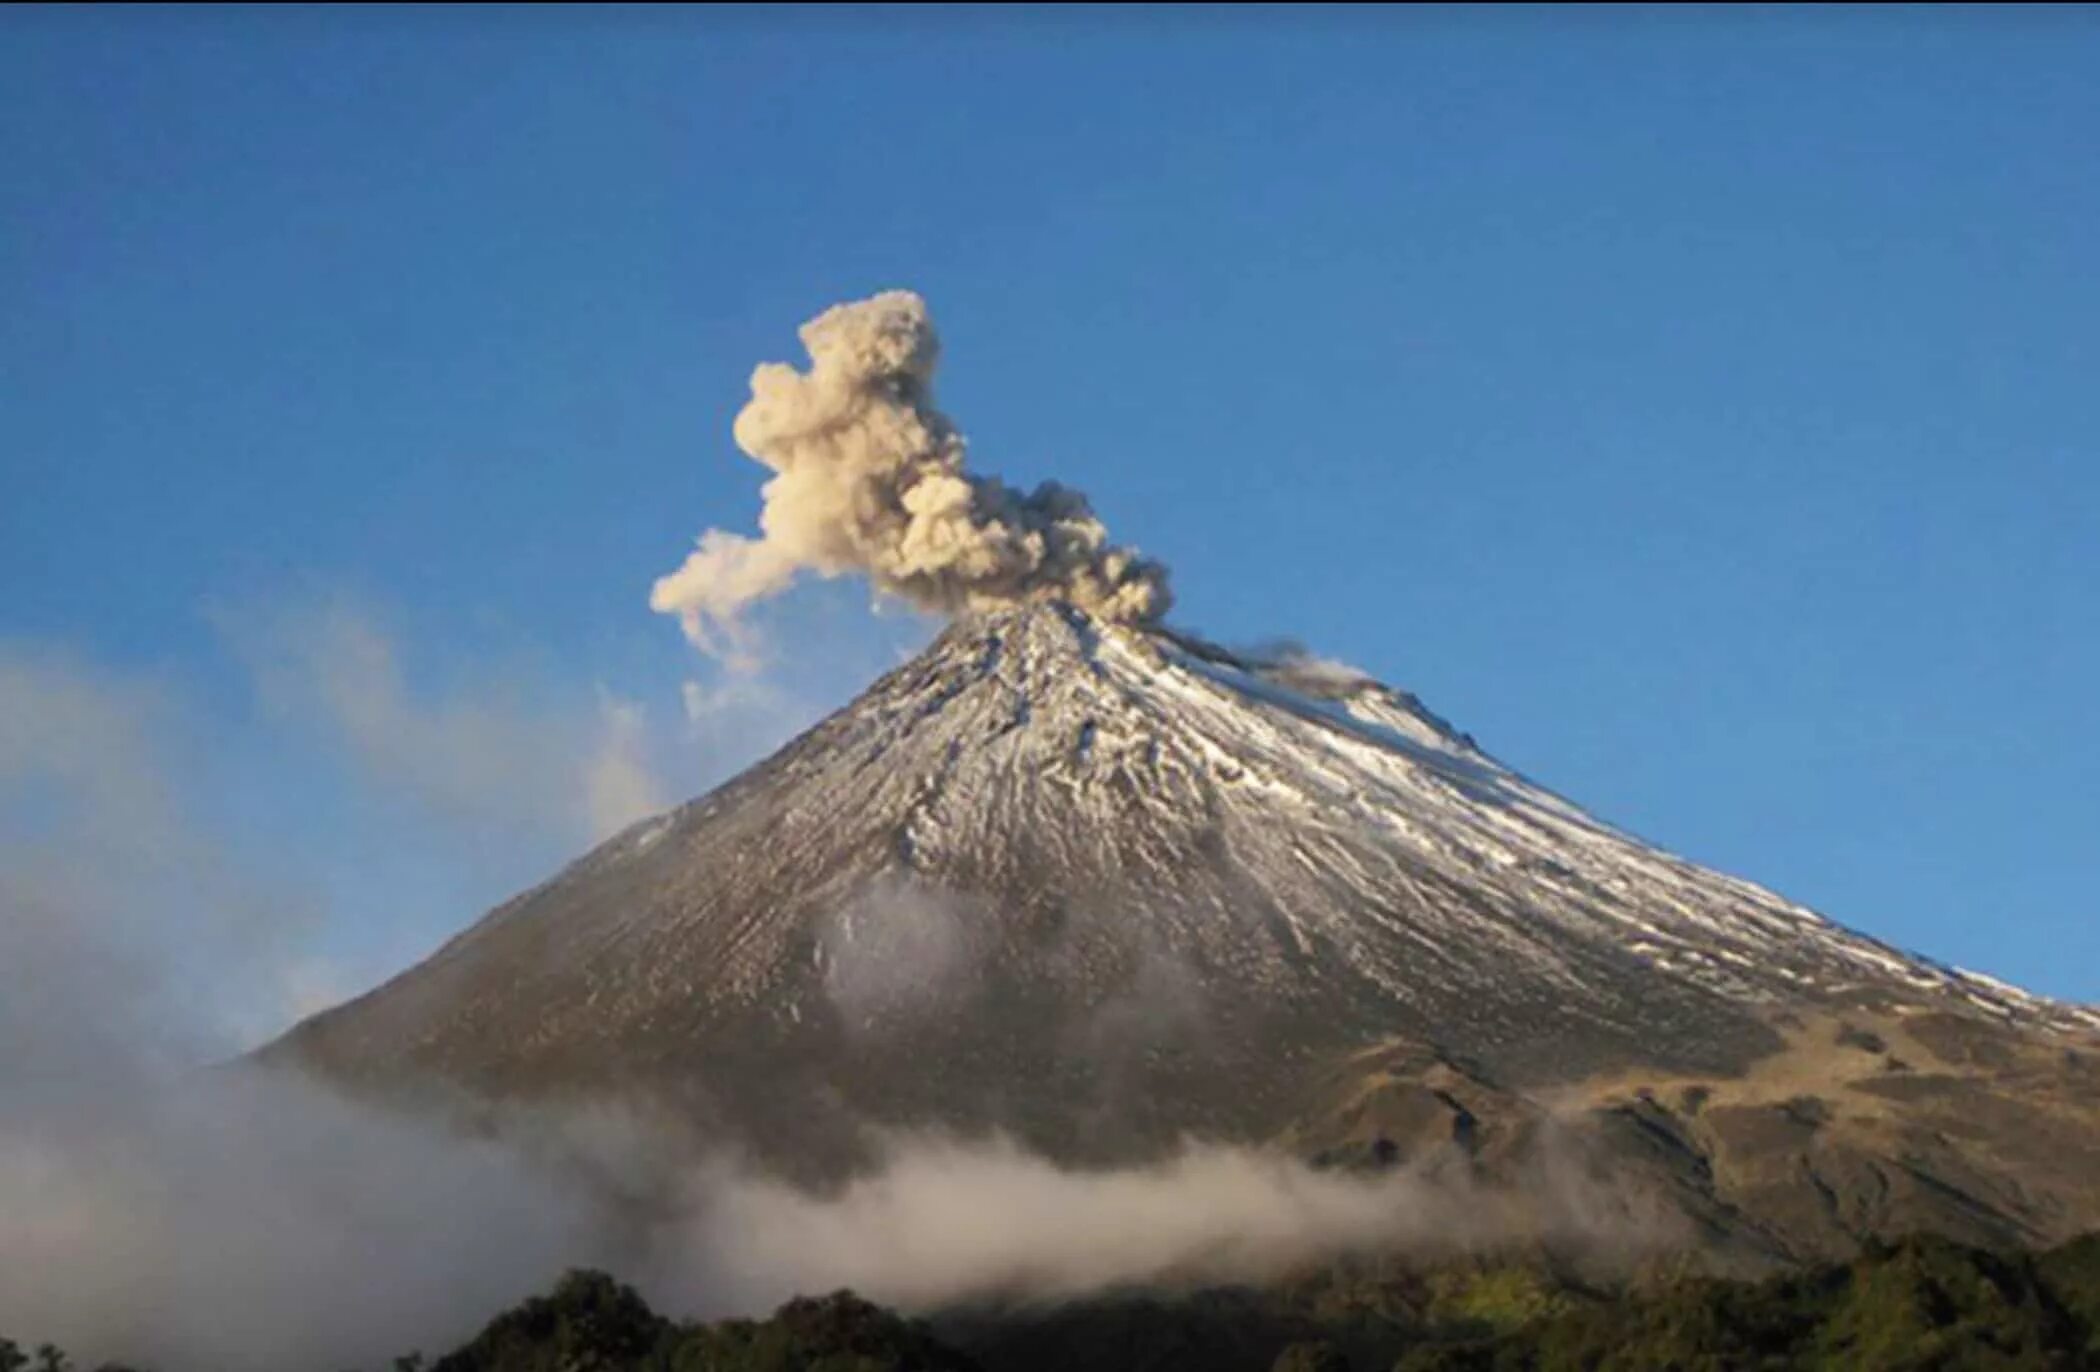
{"x": 1921, "y": 1303}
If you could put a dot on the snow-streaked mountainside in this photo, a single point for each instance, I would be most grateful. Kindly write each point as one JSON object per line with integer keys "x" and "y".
{"x": 1103, "y": 888}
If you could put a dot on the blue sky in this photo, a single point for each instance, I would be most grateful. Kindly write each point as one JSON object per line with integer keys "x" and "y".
{"x": 1697, "y": 407}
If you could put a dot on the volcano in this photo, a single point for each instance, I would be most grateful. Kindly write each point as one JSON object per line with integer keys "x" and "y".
{"x": 1104, "y": 888}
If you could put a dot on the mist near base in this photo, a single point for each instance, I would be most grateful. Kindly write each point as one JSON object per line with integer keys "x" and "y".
{"x": 944, "y": 1221}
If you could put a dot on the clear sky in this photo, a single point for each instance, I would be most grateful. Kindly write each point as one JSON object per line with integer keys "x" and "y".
{"x": 1699, "y": 408}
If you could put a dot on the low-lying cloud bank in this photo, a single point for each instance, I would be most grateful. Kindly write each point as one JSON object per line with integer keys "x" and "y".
{"x": 942, "y": 1221}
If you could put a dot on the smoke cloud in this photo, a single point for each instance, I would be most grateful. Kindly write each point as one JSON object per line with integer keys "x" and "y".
{"x": 869, "y": 478}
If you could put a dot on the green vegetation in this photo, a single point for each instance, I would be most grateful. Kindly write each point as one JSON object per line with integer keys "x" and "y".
{"x": 48, "y": 1359}
{"x": 1924, "y": 1303}
{"x": 1497, "y": 1299}
{"x": 591, "y": 1323}
{"x": 2073, "y": 1274}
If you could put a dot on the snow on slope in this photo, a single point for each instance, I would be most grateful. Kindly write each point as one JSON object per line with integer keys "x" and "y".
{"x": 1395, "y": 765}
{"x": 1044, "y": 825}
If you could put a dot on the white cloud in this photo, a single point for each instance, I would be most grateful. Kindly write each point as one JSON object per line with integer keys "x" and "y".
{"x": 619, "y": 787}
{"x": 109, "y": 883}
{"x": 734, "y": 694}
{"x": 488, "y": 752}
{"x": 157, "y": 1210}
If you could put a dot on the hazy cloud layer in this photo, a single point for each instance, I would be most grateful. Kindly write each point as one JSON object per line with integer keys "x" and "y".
{"x": 155, "y": 1207}
{"x": 101, "y": 850}
{"x": 489, "y": 752}
{"x": 943, "y": 1221}
{"x": 869, "y": 478}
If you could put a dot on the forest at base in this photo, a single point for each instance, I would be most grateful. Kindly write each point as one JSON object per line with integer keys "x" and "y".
{"x": 1920, "y": 1303}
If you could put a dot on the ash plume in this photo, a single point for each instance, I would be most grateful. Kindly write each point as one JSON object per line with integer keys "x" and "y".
{"x": 869, "y": 478}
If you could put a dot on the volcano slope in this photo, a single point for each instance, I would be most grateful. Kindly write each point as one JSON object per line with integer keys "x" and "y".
{"x": 1103, "y": 889}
